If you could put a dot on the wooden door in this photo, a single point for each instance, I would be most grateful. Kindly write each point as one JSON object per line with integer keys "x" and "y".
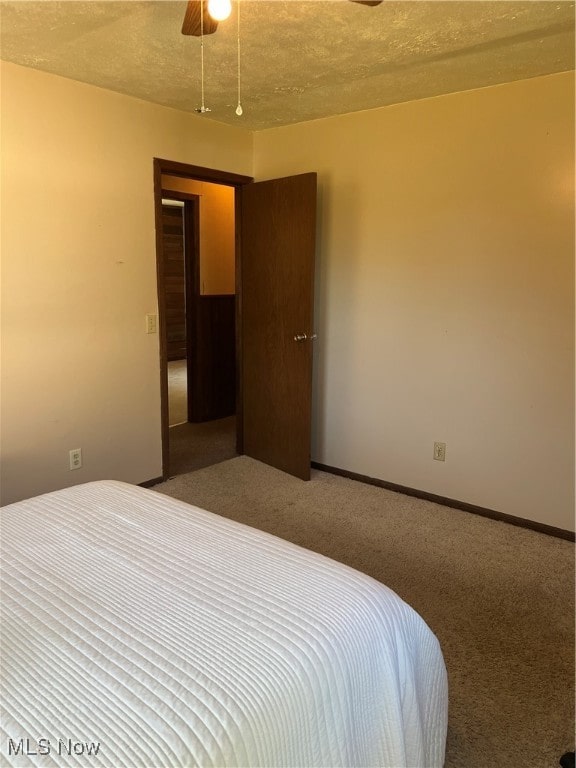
{"x": 278, "y": 242}
{"x": 173, "y": 264}
{"x": 212, "y": 358}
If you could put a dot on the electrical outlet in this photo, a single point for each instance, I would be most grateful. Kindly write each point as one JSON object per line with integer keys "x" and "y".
{"x": 75, "y": 458}
{"x": 151, "y": 323}
{"x": 439, "y": 451}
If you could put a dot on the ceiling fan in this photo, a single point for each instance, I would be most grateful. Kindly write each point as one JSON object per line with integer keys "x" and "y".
{"x": 194, "y": 24}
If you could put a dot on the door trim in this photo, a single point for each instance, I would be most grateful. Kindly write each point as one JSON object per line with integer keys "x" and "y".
{"x": 198, "y": 173}
{"x": 191, "y": 249}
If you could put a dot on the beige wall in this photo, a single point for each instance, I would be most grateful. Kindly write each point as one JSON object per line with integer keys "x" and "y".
{"x": 445, "y": 303}
{"x": 79, "y": 275}
{"x": 217, "y": 232}
{"x": 444, "y": 299}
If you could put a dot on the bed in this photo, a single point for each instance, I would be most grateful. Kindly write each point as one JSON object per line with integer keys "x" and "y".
{"x": 138, "y": 630}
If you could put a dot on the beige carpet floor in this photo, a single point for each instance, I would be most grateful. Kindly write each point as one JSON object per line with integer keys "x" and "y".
{"x": 499, "y": 598}
{"x": 193, "y": 446}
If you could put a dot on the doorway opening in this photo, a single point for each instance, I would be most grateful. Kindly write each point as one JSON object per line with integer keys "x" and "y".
{"x": 202, "y": 426}
{"x": 197, "y": 287}
{"x": 273, "y": 308}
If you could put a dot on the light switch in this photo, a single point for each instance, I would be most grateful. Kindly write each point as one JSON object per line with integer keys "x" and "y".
{"x": 151, "y": 323}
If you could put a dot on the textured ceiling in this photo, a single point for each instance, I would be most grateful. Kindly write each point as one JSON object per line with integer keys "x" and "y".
{"x": 301, "y": 59}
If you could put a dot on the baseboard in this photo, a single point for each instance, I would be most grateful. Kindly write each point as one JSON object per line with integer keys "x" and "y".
{"x": 550, "y": 530}
{"x": 150, "y": 483}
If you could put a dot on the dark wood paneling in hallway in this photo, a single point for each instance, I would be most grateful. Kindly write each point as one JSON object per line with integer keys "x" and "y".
{"x": 174, "y": 280}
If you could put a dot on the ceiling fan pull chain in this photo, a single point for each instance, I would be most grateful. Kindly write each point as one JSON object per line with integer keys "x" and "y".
{"x": 239, "y": 107}
{"x": 202, "y": 109}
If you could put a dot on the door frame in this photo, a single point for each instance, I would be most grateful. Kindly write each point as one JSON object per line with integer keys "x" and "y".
{"x": 214, "y": 176}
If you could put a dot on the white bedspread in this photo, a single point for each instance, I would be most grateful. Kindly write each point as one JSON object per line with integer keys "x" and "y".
{"x": 140, "y": 631}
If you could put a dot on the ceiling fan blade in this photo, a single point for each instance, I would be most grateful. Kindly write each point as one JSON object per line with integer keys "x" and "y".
{"x": 192, "y": 24}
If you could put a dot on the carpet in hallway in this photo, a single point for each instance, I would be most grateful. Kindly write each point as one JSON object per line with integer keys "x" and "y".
{"x": 193, "y": 446}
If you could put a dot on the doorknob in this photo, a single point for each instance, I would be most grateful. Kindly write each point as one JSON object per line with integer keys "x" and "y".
{"x": 303, "y": 337}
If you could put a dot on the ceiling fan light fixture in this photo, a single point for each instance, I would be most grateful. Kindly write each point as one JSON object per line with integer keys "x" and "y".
{"x": 219, "y": 10}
